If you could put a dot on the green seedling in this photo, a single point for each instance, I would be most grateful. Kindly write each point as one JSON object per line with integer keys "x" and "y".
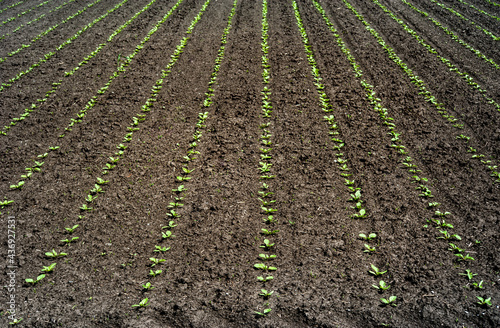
{"x": 27, "y": 175}
{"x": 15, "y": 321}
{"x": 262, "y": 279}
{"x": 264, "y": 267}
{"x": 161, "y": 249}
{"x": 478, "y": 285}
{"x": 266, "y": 257}
{"x": 264, "y": 313}
{"x": 356, "y": 196}
{"x": 267, "y": 244}
{"x": 171, "y": 224}
{"x": 382, "y": 285}
{"x": 265, "y": 293}
{"x": 361, "y": 214}
{"x": 442, "y": 223}
{"x": 268, "y": 209}
{"x": 266, "y": 194}
{"x": 390, "y": 301}
{"x": 37, "y": 280}
{"x": 269, "y": 219}
{"x": 101, "y": 181}
{"x": 148, "y": 286}
{"x": 54, "y": 254}
{"x": 174, "y": 205}
{"x": 17, "y": 186}
{"x": 173, "y": 214}
{"x": 49, "y": 268}
{"x": 84, "y": 207}
{"x": 369, "y": 249}
{"x": 369, "y": 237}
{"x": 434, "y": 204}
{"x": 440, "y": 214}
{"x": 269, "y": 232}
{"x": 142, "y": 303}
{"x": 6, "y": 203}
{"x": 114, "y": 160}
{"x": 97, "y": 189}
{"x": 265, "y": 151}
{"x": 179, "y": 189}
{"x": 266, "y": 203}
{"x": 446, "y": 235}
{"x": 461, "y": 257}
{"x": 482, "y": 301}
{"x": 90, "y": 198}
{"x": 183, "y": 178}
{"x": 186, "y": 170}
{"x": 121, "y": 147}
{"x": 349, "y": 182}
{"x": 455, "y": 248}
{"x": 67, "y": 240}
{"x": 156, "y": 261}
{"x": 154, "y": 273}
{"x": 54, "y": 148}
{"x": 376, "y": 271}
{"x": 468, "y": 273}
{"x": 167, "y": 234}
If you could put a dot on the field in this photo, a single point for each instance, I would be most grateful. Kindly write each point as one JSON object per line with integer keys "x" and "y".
{"x": 250, "y": 163}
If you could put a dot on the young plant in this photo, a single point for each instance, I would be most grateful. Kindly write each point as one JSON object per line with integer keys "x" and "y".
{"x": 265, "y": 293}
{"x": 369, "y": 237}
{"x": 143, "y": 303}
{"x": 37, "y": 280}
{"x": 68, "y": 241}
{"x": 54, "y": 254}
{"x": 267, "y": 244}
{"x": 167, "y": 234}
{"x": 390, "y": 301}
{"x": 49, "y": 268}
{"x": 382, "y": 285}
{"x": 266, "y": 257}
{"x": 461, "y": 257}
{"x": 156, "y": 261}
{"x": 264, "y": 267}
{"x": 263, "y": 313}
{"x": 478, "y": 285}
{"x": 262, "y": 279}
{"x": 369, "y": 249}
{"x": 376, "y": 271}
{"x": 17, "y": 186}
{"x": 484, "y": 301}
{"x": 148, "y": 286}
{"x": 154, "y": 273}
{"x": 269, "y": 232}
{"x": 468, "y": 273}
{"x": 161, "y": 249}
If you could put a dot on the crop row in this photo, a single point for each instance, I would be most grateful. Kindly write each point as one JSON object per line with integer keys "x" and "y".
{"x": 463, "y": 75}
{"x": 488, "y": 33}
{"x": 11, "y": 6}
{"x": 35, "y": 19}
{"x": 47, "y": 31}
{"x": 100, "y": 183}
{"x": 454, "y": 36}
{"x": 479, "y": 10}
{"x": 85, "y": 60}
{"x": 442, "y": 225}
{"x": 48, "y": 55}
{"x": 265, "y": 174}
{"x": 429, "y": 97}
{"x": 175, "y": 207}
{"x": 10, "y": 19}
{"x": 493, "y": 3}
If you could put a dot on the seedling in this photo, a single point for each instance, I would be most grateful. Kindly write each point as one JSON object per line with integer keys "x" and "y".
{"x": 67, "y": 240}
{"x": 269, "y": 232}
{"x": 171, "y": 224}
{"x": 173, "y": 214}
{"x": 468, "y": 274}
{"x": 461, "y": 257}
{"x": 266, "y": 203}
{"x": 369, "y": 237}
{"x": 446, "y": 235}
{"x": 54, "y": 254}
{"x": 267, "y": 244}
{"x": 179, "y": 189}
{"x": 6, "y": 203}
{"x": 382, "y": 285}
{"x": 438, "y": 213}
{"x": 49, "y": 268}
{"x": 148, "y": 286}
{"x": 269, "y": 219}
{"x": 268, "y": 209}
{"x": 264, "y": 313}
{"x": 15, "y": 321}
{"x": 37, "y": 280}
{"x": 167, "y": 234}
{"x": 186, "y": 170}
{"x": 265, "y": 293}
{"x": 369, "y": 249}
{"x": 27, "y": 175}
{"x": 156, "y": 261}
{"x": 442, "y": 223}
{"x": 90, "y": 198}
{"x": 183, "y": 178}
{"x": 348, "y": 182}
{"x": 262, "y": 279}
{"x": 390, "y": 301}
{"x": 482, "y": 301}
{"x": 455, "y": 248}
{"x": 84, "y": 207}
{"x": 434, "y": 204}
{"x": 161, "y": 249}
{"x": 17, "y": 186}
{"x": 478, "y": 285}
{"x": 101, "y": 181}
{"x": 356, "y": 196}
{"x": 376, "y": 271}
{"x": 264, "y": 267}
{"x": 266, "y": 257}
{"x": 360, "y": 215}
{"x": 97, "y": 189}
{"x": 143, "y": 303}
{"x": 154, "y": 273}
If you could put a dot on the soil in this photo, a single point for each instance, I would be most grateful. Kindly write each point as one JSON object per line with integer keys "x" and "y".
{"x": 208, "y": 278}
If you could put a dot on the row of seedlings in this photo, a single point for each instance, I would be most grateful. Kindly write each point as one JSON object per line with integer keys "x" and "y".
{"x": 93, "y": 101}
{"x": 11, "y": 6}
{"x": 355, "y": 192}
{"x": 47, "y": 31}
{"x": 267, "y": 200}
{"x": 454, "y": 36}
{"x": 85, "y": 60}
{"x": 35, "y": 20}
{"x": 493, "y": 3}
{"x": 100, "y": 183}
{"x": 10, "y": 19}
{"x": 463, "y": 75}
{"x": 439, "y": 217}
{"x": 453, "y": 11}
{"x": 179, "y": 192}
{"x": 491, "y": 165}
{"x": 479, "y": 10}
{"x": 48, "y": 55}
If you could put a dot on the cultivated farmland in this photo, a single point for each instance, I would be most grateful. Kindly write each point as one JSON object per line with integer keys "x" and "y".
{"x": 250, "y": 163}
